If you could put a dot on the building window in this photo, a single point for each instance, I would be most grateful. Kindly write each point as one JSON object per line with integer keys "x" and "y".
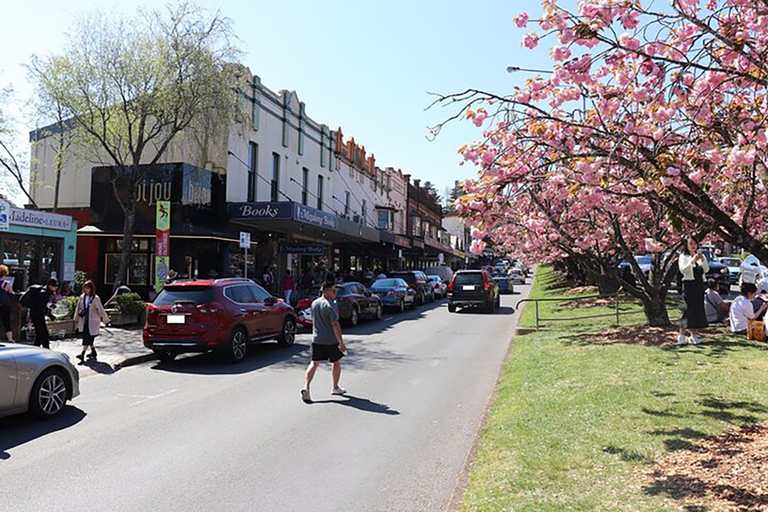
{"x": 346, "y": 203}
{"x": 275, "y": 177}
{"x": 364, "y": 216}
{"x": 415, "y": 223}
{"x": 305, "y": 186}
{"x": 319, "y": 192}
{"x": 253, "y": 169}
{"x": 383, "y": 219}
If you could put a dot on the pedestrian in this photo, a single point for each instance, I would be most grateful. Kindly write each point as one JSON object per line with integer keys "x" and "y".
{"x": 267, "y": 279}
{"x": 693, "y": 265}
{"x": 714, "y": 305}
{"x": 742, "y": 309}
{"x": 36, "y": 298}
{"x": 89, "y": 314}
{"x": 288, "y": 286}
{"x": 327, "y": 343}
{"x": 6, "y": 301}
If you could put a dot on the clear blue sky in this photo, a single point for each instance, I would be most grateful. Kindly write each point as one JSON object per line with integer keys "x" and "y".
{"x": 365, "y": 66}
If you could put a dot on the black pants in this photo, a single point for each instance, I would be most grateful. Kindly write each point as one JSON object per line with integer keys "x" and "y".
{"x": 42, "y": 338}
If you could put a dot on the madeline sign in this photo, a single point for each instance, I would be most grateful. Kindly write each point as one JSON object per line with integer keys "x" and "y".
{"x": 282, "y": 211}
{"x": 36, "y": 219}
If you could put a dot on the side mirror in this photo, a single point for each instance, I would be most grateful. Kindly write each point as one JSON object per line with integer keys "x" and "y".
{"x": 270, "y": 301}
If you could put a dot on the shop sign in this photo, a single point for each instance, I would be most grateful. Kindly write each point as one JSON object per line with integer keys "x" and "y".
{"x": 163, "y": 243}
{"x": 260, "y": 211}
{"x": 36, "y": 219}
{"x": 316, "y": 217}
{"x": 303, "y": 249}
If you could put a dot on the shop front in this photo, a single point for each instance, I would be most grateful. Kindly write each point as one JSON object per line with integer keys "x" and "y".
{"x": 36, "y": 246}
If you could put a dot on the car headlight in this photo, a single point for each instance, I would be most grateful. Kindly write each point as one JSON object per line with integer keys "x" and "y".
{"x": 724, "y": 271}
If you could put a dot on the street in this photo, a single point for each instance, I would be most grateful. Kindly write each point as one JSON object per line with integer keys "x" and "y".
{"x": 199, "y": 434}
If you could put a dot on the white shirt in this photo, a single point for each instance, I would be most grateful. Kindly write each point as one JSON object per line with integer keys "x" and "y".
{"x": 741, "y": 312}
{"x": 686, "y": 265}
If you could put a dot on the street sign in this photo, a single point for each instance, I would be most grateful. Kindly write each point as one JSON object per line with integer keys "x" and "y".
{"x": 245, "y": 240}
{"x": 5, "y": 212}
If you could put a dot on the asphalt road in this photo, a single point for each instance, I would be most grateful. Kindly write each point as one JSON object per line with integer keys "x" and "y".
{"x": 199, "y": 434}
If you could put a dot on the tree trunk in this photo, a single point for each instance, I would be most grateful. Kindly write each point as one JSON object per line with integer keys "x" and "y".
{"x": 128, "y": 226}
{"x": 57, "y": 187}
{"x": 655, "y": 308}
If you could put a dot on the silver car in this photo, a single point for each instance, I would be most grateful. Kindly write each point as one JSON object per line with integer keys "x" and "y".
{"x": 35, "y": 379}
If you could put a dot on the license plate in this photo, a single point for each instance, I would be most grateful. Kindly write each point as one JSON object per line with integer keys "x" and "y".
{"x": 176, "y": 319}
{"x": 467, "y": 287}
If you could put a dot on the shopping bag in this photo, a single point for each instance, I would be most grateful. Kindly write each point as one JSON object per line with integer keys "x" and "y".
{"x": 755, "y": 330}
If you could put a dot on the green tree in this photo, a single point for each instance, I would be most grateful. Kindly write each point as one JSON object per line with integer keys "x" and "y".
{"x": 456, "y": 192}
{"x": 132, "y": 86}
{"x": 12, "y": 164}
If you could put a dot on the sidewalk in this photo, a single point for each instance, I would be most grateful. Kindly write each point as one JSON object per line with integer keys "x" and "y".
{"x": 116, "y": 348}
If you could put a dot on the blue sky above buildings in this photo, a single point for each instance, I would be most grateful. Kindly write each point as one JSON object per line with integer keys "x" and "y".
{"x": 365, "y": 66}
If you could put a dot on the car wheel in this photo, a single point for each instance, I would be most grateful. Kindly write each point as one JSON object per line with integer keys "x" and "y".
{"x": 165, "y": 356}
{"x": 49, "y": 394}
{"x": 288, "y": 334}
{"x": 489, "y": 306}
{"x": 451, "y": 308}
{"x": 379, "y": 312}
{"x": 354, "y": 317}
{"x": 237, "y": 346}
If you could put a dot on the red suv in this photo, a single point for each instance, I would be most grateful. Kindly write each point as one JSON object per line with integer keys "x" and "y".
{"x": 222, "y": 314}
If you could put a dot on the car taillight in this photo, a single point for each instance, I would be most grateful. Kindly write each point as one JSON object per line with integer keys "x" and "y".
{"x": 304, "y": 303}
{"x": 151, "y": 313}
{"x": 487, "y": 285}
{"x": 450, "y": 285}
{"x": 213, "y": 308}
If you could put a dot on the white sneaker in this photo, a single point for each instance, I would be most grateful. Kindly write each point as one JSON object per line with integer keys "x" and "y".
{"x": 305, "y": 396}
{"x": 681, "y": 340}
{"x": 695, "y": 340}
{"x": 339, "y": 391}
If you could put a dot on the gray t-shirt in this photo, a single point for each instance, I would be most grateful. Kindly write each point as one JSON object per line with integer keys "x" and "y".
{"x": 712, "y": 301}
{"x": 324, "y": 313}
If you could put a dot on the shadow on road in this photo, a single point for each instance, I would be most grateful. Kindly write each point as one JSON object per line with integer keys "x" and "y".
{"x": 478, "y": 310}
{"x": 361, "y": 404}
{"x": 18, "y": 430}
{"x": 210, "y": 363}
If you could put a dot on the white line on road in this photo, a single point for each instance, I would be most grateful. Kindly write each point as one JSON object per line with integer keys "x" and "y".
{"x": 146, "y": 398}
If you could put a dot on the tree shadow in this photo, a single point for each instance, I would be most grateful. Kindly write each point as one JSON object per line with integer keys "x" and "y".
{"x": 361, "y": 404}
{"x": 18, "y": 430}
{"x": 628, "y": 455}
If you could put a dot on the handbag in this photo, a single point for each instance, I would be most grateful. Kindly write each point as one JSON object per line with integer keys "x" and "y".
{"x": 755, "y": 330}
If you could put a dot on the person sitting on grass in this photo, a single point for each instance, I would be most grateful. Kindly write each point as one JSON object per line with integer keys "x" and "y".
{"x": 714, "y": 305}
{"x": 742, "y": 310}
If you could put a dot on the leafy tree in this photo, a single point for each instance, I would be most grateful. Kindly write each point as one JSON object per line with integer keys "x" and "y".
{"x": 11, "y": 163}
{"x": 132, "y": 86}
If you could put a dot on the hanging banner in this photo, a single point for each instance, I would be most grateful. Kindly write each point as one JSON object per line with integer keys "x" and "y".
{"x": 162, "y": 243}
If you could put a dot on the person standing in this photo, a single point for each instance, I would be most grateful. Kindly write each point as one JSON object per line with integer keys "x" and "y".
{"x": 327, "y": 343}
{"x": 288, "y": 286}
{"x": 37, "y": 302}
{"x": 89, "y": 314}
{"x": 267, "y": 279}
{"x": 693, "y": 265}
{"x": 6, "y": 301}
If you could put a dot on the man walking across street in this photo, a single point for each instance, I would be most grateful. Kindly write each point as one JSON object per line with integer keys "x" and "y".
{"x": 327, "y": 344}
{"x": 36, "y": 298}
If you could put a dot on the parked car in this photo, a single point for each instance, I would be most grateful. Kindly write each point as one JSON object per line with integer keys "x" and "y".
{"x": 444, "y": 271}
{"x": 473, "y": 288}
{"x": 516, "y": 276}
{"x": 752, "y": 270}
{"x": 417, "y": 280}
{"x": 503, "y": 281}
{"x": 35, "y": 380}
{"x": 643, "y": 261}
{"x": 439, "y": 287}
{"x": 355, "y": 301}
{"x": 224, "y": 315}
{"x": 394, "y": 292}
{"x": 734, "y": 267}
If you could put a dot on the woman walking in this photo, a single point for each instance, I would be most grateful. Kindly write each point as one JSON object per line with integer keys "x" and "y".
{"x": 6, "y": 291}
{"x": 693, "y": 265}
{"x": 89, "y": 314}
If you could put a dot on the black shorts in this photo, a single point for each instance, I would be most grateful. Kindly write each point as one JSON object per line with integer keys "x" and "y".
{"x": 330, "y": 353}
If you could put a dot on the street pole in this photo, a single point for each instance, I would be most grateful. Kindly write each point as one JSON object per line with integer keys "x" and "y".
{"x": 245, "y": 263}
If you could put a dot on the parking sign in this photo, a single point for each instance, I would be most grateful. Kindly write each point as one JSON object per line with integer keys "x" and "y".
{"x": 5, "y": 213}
{"x": 245, "y": 240}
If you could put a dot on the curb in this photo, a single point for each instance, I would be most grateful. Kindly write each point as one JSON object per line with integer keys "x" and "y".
{"x": 456, "y": 501}
{"x": 132, "y": 361}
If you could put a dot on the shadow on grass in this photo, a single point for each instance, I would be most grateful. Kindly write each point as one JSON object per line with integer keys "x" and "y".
{"x": 628, "y": 455}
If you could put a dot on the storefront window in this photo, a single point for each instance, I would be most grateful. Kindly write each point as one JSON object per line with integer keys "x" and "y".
{"x": 50, "y": 260}
{"x": 138, "y": 274}
{"x": 32, "y": 260}
{"x": 111, "y": 265}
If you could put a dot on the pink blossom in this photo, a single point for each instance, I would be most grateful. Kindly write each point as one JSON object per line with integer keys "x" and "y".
{"x": 477, "y": 247}
{"x": 653, "y": 246}
{"x": 477, "y": 233}
{"x": 522, "y": 20}
{"x": 531, "y": 40}
{"x": 560, "y": 53}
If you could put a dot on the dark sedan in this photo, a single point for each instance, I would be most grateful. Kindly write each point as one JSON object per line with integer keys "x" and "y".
{"x": 394, "y": 292}
{"x": 355, "y": 301}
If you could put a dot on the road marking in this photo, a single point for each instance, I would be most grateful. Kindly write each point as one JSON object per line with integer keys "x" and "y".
{"x": 146, "y": 398}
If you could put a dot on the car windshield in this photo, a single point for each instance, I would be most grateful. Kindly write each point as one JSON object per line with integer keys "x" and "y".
{"x": 468, "y": 278}
{"x": 731, "y": 262}
{"x": 408, "y": 278}
{"x": 499, "y": 275}
{"x": 644, "y": 260}
{"x": 184, "y": 295}
{"x": 386, "y": 283}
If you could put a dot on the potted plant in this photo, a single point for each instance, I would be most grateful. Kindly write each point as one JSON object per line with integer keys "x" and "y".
{"x": 128, "y": 309}
{"x": 64, "y": 313}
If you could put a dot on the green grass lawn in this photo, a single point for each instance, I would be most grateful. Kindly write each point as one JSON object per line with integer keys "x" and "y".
{"x": 578, "y": 424}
